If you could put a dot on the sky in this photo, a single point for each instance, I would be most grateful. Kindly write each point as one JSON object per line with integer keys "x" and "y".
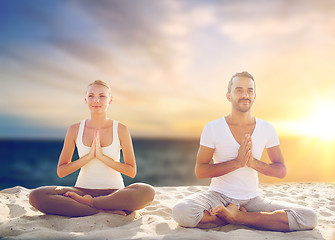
{"x": 168, "y": 63}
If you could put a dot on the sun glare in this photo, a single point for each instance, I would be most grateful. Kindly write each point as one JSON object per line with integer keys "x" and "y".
{"x": 320, "y": 123}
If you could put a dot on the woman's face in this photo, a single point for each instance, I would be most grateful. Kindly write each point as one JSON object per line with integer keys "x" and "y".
{"x": 98, "y": 98}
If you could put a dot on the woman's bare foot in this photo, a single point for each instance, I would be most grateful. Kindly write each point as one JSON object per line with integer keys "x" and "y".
{"x": 229, "y": 213}
{"x": 118, "y": 212}
{"x": 87, "y": 199}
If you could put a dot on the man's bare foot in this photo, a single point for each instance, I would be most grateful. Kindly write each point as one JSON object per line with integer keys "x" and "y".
{"x": 229, "y": 213}
{"x": 210, "y": 221}
{"x": 242, "y": 209}
{"x": 87, "y": 199}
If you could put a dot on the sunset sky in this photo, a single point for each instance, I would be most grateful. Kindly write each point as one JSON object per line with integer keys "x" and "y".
{"x": 168, "y": 63}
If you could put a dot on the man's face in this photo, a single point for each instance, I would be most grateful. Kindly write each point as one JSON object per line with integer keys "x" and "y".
{"x": 242, "y": 94}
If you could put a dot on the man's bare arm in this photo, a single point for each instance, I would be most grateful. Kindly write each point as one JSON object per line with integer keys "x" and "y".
{"x": 277, "y": 166}
{"x": 204, "y": 169}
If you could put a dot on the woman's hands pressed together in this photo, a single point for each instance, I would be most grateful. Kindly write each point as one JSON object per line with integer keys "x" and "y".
{"x": 92, "y": 152}
{"x": 96, "y": 142}
{"x": 96, "y": 149}
{"x": 127, "y": 168}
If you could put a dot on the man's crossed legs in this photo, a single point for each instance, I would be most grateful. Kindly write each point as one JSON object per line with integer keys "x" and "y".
{"x": 212, "y": 207}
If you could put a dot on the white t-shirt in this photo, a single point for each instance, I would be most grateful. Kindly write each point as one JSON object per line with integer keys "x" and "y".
{"x": 242, "y": 183}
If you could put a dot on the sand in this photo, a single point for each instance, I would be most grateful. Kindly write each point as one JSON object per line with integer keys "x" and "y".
{"x": 18, "y": 220}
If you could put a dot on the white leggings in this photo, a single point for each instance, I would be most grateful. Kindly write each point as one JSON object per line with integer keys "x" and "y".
{"x": 189, "y": 211}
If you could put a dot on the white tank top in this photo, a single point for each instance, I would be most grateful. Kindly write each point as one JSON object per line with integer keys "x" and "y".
{"x": 96, "y": 174}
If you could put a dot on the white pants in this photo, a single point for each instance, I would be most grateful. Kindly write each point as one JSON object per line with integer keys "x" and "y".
{"x": 189, "y": 211}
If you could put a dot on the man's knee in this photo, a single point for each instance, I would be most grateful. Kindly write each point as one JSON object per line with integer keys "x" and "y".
{"x": 185, "y": 215}
{"x": 302, "y": 219}
{"x": 312, "y": 219}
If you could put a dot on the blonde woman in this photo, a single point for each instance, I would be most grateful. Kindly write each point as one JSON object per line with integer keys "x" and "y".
{"x": 99, "y": 186}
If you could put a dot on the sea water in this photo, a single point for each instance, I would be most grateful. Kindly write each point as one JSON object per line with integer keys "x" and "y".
{"x": 160, "y": 162}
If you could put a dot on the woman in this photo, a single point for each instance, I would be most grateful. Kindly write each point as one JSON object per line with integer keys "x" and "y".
{"x": 99, "y": 186}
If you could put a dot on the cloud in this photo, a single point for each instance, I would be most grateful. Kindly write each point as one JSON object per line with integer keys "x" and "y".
{"x": 164, "y": 59}
{"x": 276, "y": 22}
{"x": 132, "y": 26}
{"x": 125, "y": 41}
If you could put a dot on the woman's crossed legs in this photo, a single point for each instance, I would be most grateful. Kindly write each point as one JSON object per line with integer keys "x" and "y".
{"x": 77, "y": 202}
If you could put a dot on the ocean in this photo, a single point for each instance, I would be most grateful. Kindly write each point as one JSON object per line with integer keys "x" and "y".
{"x": 160, "y": 162}
{"x": 33, "y": 163}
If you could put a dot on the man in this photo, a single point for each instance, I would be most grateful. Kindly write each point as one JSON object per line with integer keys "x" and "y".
{"x": 235, "y": 143}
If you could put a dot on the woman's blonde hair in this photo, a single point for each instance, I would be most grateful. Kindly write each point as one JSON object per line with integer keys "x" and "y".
{"x": 102, "y": 83}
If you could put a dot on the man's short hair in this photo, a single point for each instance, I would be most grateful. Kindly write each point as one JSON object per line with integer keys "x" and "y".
{"x": 240, "y": 74}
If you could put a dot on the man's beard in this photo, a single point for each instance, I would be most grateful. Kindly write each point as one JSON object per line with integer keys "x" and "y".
{"x": 243, "y": 108}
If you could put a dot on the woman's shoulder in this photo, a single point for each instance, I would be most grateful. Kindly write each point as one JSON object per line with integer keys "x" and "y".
{"x": 74, "y": 126}
{"x": 73, "y": 129}
{"x": 121, "y": 126}
{"x": 122, "y": 129}
{"x": 72, "y": 133}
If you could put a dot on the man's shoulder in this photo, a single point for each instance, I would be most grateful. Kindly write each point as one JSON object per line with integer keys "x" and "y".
{"x": 263, "y": 123}
{"x": 216, "y": 121}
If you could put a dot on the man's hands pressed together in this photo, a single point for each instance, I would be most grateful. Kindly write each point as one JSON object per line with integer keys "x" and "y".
{"x": 245, "y": 157}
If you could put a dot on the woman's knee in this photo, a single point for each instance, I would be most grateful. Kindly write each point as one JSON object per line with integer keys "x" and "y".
{"x": 37, "y": 197}
{"x": 140, "y": 196}
{"x": 144, "y": 192}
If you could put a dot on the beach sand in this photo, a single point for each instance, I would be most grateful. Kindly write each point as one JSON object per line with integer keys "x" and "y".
{"x": 18, "y": 220}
